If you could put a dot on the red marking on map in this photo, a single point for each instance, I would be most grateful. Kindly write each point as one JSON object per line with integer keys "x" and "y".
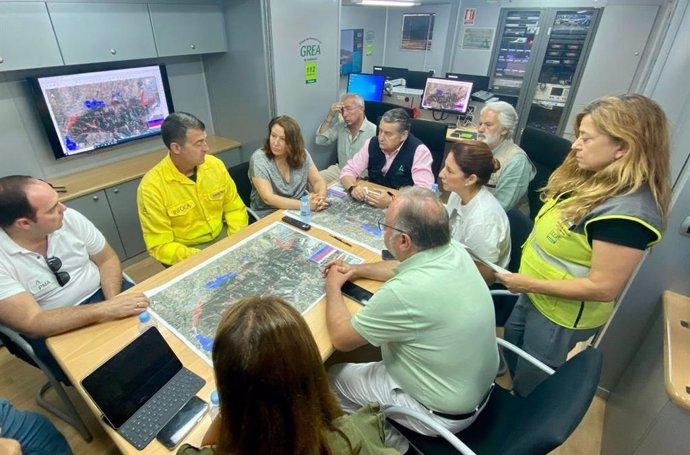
{"x": 285, "y": 246}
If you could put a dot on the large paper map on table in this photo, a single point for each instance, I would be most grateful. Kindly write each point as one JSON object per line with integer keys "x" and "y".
{"x": 349, "y": 219}
{"x": 277, "y": 260}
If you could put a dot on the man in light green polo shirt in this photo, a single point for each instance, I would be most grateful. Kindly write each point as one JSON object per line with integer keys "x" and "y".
{"x": 433, "y": 319}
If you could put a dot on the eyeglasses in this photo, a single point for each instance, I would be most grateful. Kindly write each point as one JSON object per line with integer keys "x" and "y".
{"x": 382, "y": 225}
{"x": 55, "y": 264}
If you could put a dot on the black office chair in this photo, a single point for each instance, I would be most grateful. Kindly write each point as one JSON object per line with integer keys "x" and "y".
{"x": 373, "y": 110}
{"x": 240, "y": 175}
{"x": 433, "y": 135}
{"x": 520, "y": 228}
{"x": 546, "y": 151}
{"x": 21, "y": 349}
{"x": 510, "y": 425}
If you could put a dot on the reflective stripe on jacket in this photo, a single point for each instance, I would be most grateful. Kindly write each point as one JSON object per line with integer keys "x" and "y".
{"x": 554, "y": 251}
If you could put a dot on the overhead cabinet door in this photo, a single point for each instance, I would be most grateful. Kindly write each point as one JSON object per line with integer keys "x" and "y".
{"x": 188, "y": 29}
{"x": 102, "y": 32}
{"x": 26, "y": 37}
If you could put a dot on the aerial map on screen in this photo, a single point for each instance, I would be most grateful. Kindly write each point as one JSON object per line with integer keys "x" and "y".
{"x": 93, "y": 110}
{"x": 277, "y": 260}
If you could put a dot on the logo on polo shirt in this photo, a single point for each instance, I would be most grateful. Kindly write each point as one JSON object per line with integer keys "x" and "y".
{"x": 401, "y": 170}
{"x": 39, "y": 285}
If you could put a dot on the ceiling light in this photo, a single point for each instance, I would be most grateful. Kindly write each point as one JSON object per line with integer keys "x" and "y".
{"x": 401, "y": 3}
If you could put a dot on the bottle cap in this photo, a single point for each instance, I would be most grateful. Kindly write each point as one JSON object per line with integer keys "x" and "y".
{"x": 144, "y": 316}
{"x": 214, "y": 398}
{"x": 304, "y": 199}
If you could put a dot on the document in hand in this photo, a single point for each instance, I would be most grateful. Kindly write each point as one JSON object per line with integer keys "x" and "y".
{"x": 494, "y": 267}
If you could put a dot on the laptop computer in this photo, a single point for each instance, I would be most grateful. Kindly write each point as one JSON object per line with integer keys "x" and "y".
{"x": 141, "y": 388}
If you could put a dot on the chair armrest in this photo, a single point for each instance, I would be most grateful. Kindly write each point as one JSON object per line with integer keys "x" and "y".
{"x": 534, "y": 361}
{"x": 502, "y": 293}
{"x": 253, "y": 214}
{"x": 393, "y": 411}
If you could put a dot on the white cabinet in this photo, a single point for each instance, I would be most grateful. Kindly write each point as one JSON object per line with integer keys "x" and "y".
{"x": 102, "y": 32}
{"x": 123, "y": 204}
{"x": 95, "y": 207}
{"x": 188, "y": 29}
{"x": 26, "y": 37}
{"x": 114, "y": 212}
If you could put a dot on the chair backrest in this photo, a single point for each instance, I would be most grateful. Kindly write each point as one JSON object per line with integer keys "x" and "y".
{"x": 546, "y": 151}
{"x": 520, "y": 228}
{"x": 240, "y": 174}
{"x": 433, "y": 135}
{"x": 544, "y": 419}
{"x": 373, "y": 110}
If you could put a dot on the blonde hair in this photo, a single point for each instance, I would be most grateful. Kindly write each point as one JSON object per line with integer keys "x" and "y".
{"x": 639, "y": 125}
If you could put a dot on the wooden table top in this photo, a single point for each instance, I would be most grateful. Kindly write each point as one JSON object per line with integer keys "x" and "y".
{"x": 81, "y": 351}
{"x": 677, "y": 348}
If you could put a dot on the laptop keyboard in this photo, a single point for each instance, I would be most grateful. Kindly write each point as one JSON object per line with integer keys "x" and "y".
{"x": 144, "y": 425}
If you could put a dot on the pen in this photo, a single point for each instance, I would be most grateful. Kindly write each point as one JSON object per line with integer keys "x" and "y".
{"x": 341, "y": 240}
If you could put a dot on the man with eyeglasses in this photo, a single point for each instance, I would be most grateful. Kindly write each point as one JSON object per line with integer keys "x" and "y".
{"x": 393, "y": 158}
{"x": 350, "y": 130}
{"x": 433, "y": 319}
{"x": 53, "y": 260}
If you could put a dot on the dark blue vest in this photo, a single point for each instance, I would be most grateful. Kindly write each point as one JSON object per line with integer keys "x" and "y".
{"x": 400, "y": 172}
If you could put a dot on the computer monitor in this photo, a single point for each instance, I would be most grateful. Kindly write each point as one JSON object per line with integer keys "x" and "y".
{"x": 391, "y": 72}
{"x": 417, "y": 79}
{"x": 368, "y": 86}
{"x": 478, "y": 82}
{"x": 446, "y": 95}
{"x": 82, "y": 112}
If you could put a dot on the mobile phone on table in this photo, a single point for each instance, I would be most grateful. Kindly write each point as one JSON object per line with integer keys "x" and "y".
{"x": 356, "y": 293}
{"x": 183, "y": 422}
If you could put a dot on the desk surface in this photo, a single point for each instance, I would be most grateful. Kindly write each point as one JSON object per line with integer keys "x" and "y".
{"x": 85, "y": 182}
{"x": 81, "y": 351}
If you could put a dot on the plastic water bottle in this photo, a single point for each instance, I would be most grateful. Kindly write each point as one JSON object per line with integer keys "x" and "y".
{"x": 214, "y": 410}
{"x": 435, "y": 190}
{"x": 305, "y": 209}
{"x": 145, "y": 321}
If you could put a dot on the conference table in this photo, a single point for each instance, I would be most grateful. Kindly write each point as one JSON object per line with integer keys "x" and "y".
{"x": 79, "y": 352}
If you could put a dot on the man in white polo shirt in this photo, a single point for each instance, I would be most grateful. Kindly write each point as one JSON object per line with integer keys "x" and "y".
{"x": 52, "y": 259}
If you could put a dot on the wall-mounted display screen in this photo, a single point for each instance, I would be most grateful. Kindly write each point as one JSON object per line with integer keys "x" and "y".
{"x": 446, "y": 95}
{"x": 368, "y": 86}
{"x": 82, "y": 112}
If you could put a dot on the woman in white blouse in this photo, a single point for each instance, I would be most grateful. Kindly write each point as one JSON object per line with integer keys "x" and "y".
{"x": 477, "y": 220}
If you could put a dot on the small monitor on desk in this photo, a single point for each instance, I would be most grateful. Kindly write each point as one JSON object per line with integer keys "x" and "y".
{"x": 417, "y": 79}
{"x": 368, "y": 86}
{"x": 478, "y": 82}
{"x": 446, "y": 95}
{"x": 391, "y": 72}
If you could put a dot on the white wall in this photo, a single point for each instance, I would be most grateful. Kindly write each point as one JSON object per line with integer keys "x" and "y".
{"x": 475, "y": 61}
{"x": 416, "y": 59}
{"x": 292, "y": 22}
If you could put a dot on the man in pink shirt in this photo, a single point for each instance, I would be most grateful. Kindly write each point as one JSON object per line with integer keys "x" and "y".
{"x": 394, "y": 158}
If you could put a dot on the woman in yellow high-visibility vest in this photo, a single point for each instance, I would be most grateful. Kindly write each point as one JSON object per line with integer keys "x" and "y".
{"x": 604, "y": 206}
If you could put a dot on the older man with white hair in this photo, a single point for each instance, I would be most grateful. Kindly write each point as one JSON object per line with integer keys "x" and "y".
{"x": 497, "y": 125}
